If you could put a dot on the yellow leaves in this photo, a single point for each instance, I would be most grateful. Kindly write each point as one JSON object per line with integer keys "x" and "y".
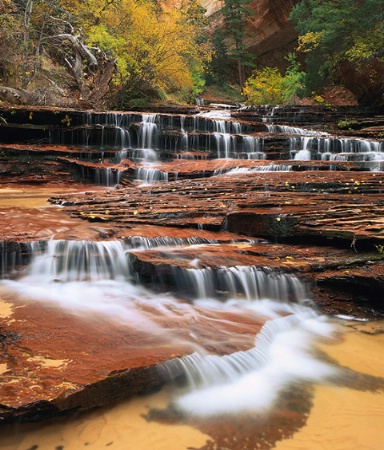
{"x": 264, "y": 87}
{"x": 153, "y": 47}
{"x": 309, "y": 41}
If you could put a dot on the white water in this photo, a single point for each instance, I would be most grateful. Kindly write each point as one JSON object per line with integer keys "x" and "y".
{"x": 95, "y": 280}
{"x": 148, "y": 131}
{"x": 150, "y": 175}
{"x": 337, "y": 149}
{"x": 266, "y": 168}
{"x": 146, "y": 138}
{"x": 252, "y": 380}
{"x": 294, "y": 130}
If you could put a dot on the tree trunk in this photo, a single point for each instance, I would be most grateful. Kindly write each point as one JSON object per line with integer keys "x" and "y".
{"x": 93, "y": 74}
{"x": 16, "y": 96}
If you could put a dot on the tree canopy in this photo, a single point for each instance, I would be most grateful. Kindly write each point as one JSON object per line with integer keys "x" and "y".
{"x": 84, "y": 52}
{"x": 154, "y": 50}
{"x": 333, "y": 31}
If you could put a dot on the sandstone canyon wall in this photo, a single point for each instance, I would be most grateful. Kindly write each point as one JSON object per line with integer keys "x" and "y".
{"x": 271, "y": 36}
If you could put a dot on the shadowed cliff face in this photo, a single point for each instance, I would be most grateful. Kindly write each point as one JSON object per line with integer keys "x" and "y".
{"x": 271, "y": 35}
{"x": 367, "y": 83}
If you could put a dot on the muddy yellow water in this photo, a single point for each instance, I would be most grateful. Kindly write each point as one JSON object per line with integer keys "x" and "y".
{"x": 31, "y": 197}
{"x": 345, "y": 418}
{"x": 24, "y": 197}
{"x": 341, "y": 417}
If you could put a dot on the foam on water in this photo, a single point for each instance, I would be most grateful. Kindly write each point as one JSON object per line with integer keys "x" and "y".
{"x": 251, "y": 381}
{"x": 94, "y": 280}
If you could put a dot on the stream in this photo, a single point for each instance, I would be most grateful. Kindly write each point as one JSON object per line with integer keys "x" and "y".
{"x": 254, "y": 362}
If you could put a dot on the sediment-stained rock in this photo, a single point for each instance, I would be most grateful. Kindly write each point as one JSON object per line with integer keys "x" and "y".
{"x": 318, "y": 221}
{"x": 55, "y": 361}
{"x": 320, "y": 204}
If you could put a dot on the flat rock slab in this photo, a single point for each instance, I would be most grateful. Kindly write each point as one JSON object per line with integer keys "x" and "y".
{"x": 54, "y": 360}
{"x": 276, "y": 205}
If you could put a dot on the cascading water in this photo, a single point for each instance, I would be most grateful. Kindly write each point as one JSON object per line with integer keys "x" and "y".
{"x": 89, "y": 278}
{"x": 322, "y": 147}
{"x": 149, "y": 138}
{"x": 251, "y": 381}
{"x": 97, "y": 278}
{"x": 150, "y": 175}
{"x": 247, "y": 282}
{"x": 80, "y": 261}
{"x": 147, "y": 132}
{"x": 214, "y": 312}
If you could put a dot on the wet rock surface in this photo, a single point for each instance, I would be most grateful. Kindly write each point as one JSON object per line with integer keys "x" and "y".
{"x": 59, "y": 362}
{"x": 320, "y": 220}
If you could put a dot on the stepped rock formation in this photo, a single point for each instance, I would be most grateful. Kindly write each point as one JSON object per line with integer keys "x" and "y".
{"x": 258, "y": 203}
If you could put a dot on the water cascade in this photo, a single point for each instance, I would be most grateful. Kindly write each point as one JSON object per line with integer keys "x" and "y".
{"x": 148, "y": 132}
{"x": 86, "y": 277}
{"x": 221, "y": 321}
{"x": 247, "y": 282}
{"x": 150, "y": 175}
{"x": 66, "y": 261}
{"x": 250, "y": 381}
{"x": 117, "y": 138}
{"x": 336, "y": 149}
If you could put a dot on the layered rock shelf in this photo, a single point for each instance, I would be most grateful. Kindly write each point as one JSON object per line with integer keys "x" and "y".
{"x": 173, "y": 196}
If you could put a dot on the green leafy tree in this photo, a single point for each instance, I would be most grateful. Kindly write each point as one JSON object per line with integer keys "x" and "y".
{"x": 268, "y": 86}
{"x": 333, "y": 31}
{"x": 236, "y": 13}
{"x": 219, "y": 66}
{"x": 294, "y": 80}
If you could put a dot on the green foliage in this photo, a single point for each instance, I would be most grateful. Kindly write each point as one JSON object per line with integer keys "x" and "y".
{"x": 294, "y": 80}
{"x": 335, "y": 30}
{"x": 219, "y": 65}
{"x": 346, "y": 124}
{"x": 268, "y": 86}
{"x": 236, "y": 13}
{"x": 264, "y": 87}
{"x": 380, "y": 248}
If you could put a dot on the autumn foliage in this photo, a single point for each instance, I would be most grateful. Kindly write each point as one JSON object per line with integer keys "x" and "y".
{"x": 157, "y": 51}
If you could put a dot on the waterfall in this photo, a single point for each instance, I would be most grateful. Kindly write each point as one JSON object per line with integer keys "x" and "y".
{"x": 148, "y": 132}
{"x": 150, "y": 137}
{"x": 252, "y": 380}
{"x": 95, "y": 281}
{"x": 253, "y": 147}
{"x": 266, "y": 168}
{"x": 246, "y": 282}
{"x": 294, "y": 130}
{"x": 66, "y": 261}
{"x": 144, "y": 243}
{"x": 107, "y": 176}
{"x": 225, "y": 145}
{"x": 336, "y": 149}
{"x": 150, "y": 176}
{"x": 13, "y": 256}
